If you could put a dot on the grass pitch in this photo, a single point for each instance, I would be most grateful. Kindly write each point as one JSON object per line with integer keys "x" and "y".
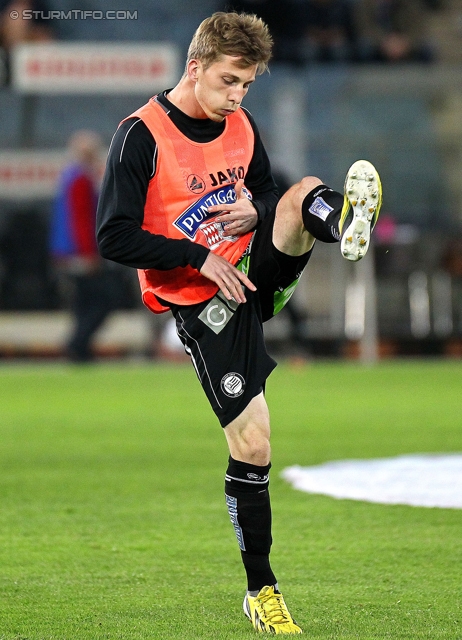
{"x": 113, "y": 523}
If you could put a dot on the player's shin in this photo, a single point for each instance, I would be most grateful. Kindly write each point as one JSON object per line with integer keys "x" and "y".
{"x": 248, "y": 502}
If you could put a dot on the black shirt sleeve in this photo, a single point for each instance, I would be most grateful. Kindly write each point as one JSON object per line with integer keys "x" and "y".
{"x": 130, "y": 166}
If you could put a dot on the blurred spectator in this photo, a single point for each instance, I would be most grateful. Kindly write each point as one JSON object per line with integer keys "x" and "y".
{"x": 93, "y": 288}
{"x": 392, "y": 31}
{"x": 14, "y": 29}
{"x": 285, "y": 22}
{"x": 328, "y": 31}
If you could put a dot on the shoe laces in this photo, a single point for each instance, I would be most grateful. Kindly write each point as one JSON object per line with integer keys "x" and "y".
{"x": 274, "y": 607}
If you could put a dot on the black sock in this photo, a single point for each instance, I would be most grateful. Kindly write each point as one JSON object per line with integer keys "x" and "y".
{"x": 248, "y": 501}
{"x": 321, "y": 210}
{"x": 259, "y": 572}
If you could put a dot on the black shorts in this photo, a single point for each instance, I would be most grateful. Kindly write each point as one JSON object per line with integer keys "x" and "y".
{"x": 225, "y": 340}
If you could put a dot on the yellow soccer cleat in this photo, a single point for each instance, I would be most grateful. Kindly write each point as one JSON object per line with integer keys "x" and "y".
{"x": 361, "y": 208}
{"x": 268, "y": 613}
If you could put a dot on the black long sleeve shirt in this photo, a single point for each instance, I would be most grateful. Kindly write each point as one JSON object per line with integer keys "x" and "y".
{"x": 131, "y": 164}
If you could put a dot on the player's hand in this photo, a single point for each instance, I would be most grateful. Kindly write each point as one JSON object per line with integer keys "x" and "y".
{"x": 240, "y": 216}
{"x": 227, "y": 277}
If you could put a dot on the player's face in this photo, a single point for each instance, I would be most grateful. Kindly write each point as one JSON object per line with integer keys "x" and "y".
{"x": 220, "y": 89}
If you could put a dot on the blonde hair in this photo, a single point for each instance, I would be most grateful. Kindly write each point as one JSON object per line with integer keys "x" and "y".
{"x": 241, "y": 35}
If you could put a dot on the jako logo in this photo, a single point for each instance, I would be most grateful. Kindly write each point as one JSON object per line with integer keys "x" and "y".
{"x": 195, "y": 183}
{"x": 233, "y": 176}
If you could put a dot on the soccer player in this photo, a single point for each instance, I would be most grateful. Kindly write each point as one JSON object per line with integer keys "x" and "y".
{"x": 188, "y": 199}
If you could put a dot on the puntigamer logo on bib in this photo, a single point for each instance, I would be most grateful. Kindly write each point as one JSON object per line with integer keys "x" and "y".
{"x": 233, "y": 385}
{"x": 191, "y": 219}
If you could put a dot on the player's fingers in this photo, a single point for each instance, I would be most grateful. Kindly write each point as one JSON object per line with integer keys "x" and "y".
{"x": 235, "y": 288}
{"x": 227, "y": 277}
{"x": 234, "y": 281}
{"x": 229, "y": 216}
{"x": 245, "y": 281}
{"x": 225, "y": 291}
{"x": 233, "y": 291}
{"x": 233, "y": 230}
{"x": 217, "y": 208}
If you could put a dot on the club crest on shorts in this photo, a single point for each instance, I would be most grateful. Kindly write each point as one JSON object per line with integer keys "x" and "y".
{"x": 233, "y": 385}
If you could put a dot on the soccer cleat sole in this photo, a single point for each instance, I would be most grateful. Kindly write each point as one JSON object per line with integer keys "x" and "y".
{"x": 363, "y": 191}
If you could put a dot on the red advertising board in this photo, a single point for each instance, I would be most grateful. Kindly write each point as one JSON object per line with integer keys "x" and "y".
{"x": 30, "y": 174}
{"x": 94, "y": 67}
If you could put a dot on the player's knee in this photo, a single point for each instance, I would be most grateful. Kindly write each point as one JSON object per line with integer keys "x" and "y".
{"x": 248, "y": 435}
{"x": 251, "y": 444}
{"x": 256, "y": 451}
{"x": 303, "y": 188}
{"x": 290, "y": 204}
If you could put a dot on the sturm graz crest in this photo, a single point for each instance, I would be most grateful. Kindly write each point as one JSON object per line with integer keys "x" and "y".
{"x": 233, "y": 384}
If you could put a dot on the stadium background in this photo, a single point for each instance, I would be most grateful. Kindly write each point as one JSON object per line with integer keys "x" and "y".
{"x": 315, "y": 119}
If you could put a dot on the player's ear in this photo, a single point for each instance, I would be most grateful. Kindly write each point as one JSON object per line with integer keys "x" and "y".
{"x": 193, "y": 69}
